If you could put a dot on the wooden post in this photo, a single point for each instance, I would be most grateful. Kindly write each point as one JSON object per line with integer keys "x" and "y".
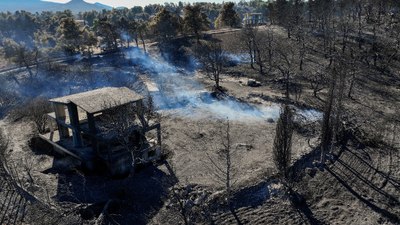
{"x": 59, "y": 110}
{"x": 159, "y": 135}
{"x": 159, "y": 150}
{"x": 93, "y": 131}
{"x": 74, "y": 120}
{"x": 140, "y": 113}
{"x": 51, "y": 125}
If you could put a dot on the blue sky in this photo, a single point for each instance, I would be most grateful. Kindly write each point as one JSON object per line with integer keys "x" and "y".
{"x": 131, "y": 3}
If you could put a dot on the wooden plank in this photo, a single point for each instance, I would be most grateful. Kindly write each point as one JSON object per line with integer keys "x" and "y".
{"x": 92, "y": 130}
{"x": 61, "y": 120}
{"x": 59, "y": 147}
{"x": 74, "y": 120}
{"x": 152, "y": 127}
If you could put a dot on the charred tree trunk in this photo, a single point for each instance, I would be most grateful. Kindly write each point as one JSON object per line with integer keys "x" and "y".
{"x": 143, "y": 43}
{"x": 136, "y": 41}
{"x": 250, "y": 43}
{"x": 351, "y": 86}
{"x": 260, "y": 64}
{"x": 216, "y": 79}
{"x": 359, "y": 8}
{"x": 287, "y": 85}
{"x": 326, "y": 137}
{"x": 302, "y": 53}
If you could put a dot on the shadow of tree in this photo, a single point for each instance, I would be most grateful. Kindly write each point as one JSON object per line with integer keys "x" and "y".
{"x": 299, "y": 203}
{"x": 252, "y": 196}
{"x": 391, "y": 216}
{"x": 238, "y": 221}
{"x": 363, "y": 179}
{"x": 390, "y": 179}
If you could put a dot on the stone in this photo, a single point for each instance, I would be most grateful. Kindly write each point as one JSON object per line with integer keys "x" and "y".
{"x": 200, "y": 200}
{"x": 253, "y": 83}
{"x": 311, "y": 172}
{"x": 188, "y": 204}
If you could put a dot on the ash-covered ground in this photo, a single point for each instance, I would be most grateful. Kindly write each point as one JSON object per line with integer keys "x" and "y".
{"x": 193, "y": 122}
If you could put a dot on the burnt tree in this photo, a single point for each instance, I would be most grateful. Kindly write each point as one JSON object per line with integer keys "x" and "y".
{"x": 282, "y": 150}
{"x": 224, "y": 163}
{"x": 212, "y": 58}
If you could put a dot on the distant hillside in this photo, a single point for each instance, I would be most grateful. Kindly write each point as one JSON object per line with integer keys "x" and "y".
{"x": 37, "y": 6}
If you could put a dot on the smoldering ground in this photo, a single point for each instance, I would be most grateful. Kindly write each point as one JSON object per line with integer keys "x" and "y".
{"x": 178, "y": 89}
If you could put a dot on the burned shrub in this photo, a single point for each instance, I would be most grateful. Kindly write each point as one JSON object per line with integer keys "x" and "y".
{"x": 212, "y": 58}
{"x": 8, "y": 100}
{"x": 38, "y": 109}
{"x": 297, "y": 91}
{"x": 318, "y": 82}
{"x": 34, "y": 110}
{"x": 304, "y": 126}
{"x": 192, "y": 203}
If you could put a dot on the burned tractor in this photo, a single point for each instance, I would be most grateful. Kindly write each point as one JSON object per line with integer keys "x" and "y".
{"x": 105, "y": 126}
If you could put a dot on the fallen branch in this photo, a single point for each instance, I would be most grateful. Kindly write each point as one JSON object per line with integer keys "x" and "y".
{"x": 102, "y": 219}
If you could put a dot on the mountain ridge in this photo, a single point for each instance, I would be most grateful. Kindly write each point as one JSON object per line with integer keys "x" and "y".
{"x": 33, "y": 6}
